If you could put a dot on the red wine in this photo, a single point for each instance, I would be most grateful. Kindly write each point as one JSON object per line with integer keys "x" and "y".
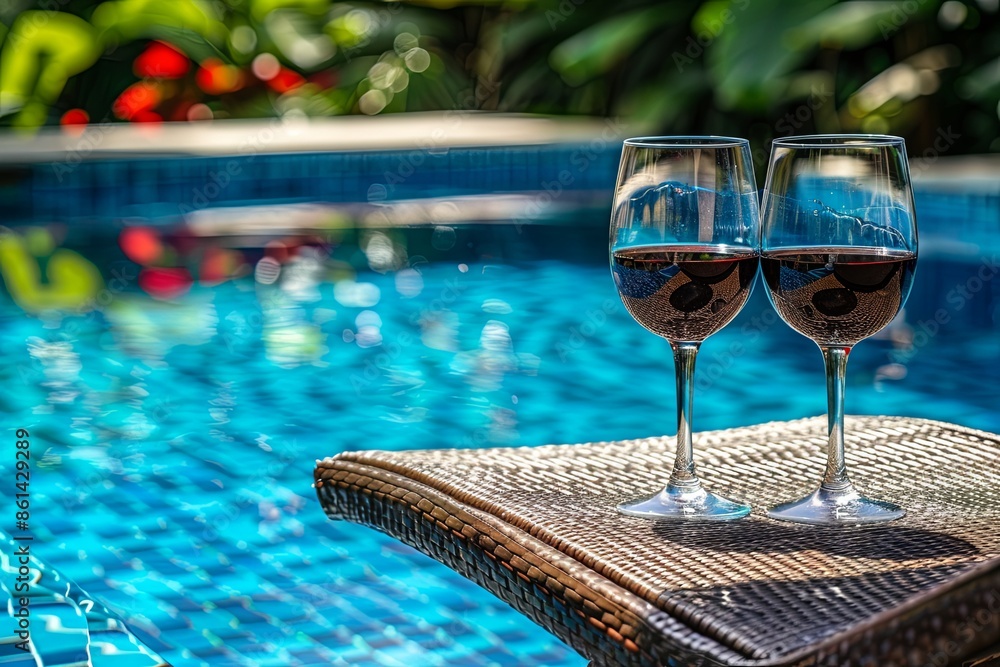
{"x": 838, "y": 296}
{"x": 684, "y": 293}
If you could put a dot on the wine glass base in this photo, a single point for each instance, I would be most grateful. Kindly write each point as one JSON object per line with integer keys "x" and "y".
{"x": 836, "y": 507}
{"x": 676, "y": 503}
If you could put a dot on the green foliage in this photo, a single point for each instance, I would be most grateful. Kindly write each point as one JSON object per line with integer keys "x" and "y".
{"x": 765, "y": 68}
{"x": 756, "y": 68}
{"x": 600, "y": 48}
{"x": 41, "y": 51}
{"x": 321, "y": 58}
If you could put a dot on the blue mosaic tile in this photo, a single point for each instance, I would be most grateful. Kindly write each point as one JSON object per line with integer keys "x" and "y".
{"x": 200, "y": 531}
{"x": 67, "y": 627}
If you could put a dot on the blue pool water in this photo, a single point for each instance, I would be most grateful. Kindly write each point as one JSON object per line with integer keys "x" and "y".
{"x": 173, "y": 440}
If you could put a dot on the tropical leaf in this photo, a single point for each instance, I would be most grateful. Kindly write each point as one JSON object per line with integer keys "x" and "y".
{"x": 750, "y": 57}
{"x": 851, "y": 25}
{"x": 42, "y": 50}
{"x": 598, "y": 49}
{"x": 131, "y": 19}
{"x": 982, "y": 83}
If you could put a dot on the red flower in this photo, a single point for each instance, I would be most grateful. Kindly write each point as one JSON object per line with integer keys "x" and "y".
{"x": 75, "y": 117}
{"x": 161, "y": 61}
{"x": 141, "y": 244}
{"x": 147, "y": 117}
{"x": 218, "y": 265}
{"x": 165, "y": 283}
{"x": 325, "y": 79}
{"x": 74, "y": 121}
{"x": 285, "y": 80}
{"x": 137, "y": 98}
{"x": 216, "y": 78}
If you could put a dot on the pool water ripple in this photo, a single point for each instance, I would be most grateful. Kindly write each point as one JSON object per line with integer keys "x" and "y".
{"x": 174, "y": 441}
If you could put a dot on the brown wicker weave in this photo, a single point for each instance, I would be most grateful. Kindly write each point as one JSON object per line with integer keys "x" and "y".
{"x": 538, "y": 527}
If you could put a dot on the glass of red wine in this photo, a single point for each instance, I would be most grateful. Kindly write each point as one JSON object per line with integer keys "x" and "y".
{"x": 685, "y": 235}
{"x": 838, "y": 253}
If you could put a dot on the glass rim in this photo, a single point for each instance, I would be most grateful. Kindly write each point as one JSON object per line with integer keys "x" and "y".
{"x": 687, "y": 141}
{"x": 839, "y": 141}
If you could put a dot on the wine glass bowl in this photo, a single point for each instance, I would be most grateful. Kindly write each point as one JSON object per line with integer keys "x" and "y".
{"x": 684, "y": 293}
{"x": 838, "y": 296}
{"x": 838, "y": 253}
{"x": 684, "y": 255}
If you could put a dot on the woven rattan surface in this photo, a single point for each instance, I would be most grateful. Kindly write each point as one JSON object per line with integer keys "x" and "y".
{"x": 538, "y": 527}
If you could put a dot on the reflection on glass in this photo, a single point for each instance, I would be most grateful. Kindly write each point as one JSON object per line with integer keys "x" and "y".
{"x": 684, "y": 240}
{"x": 69, "y": 281}
{"x": 838, "y": 256}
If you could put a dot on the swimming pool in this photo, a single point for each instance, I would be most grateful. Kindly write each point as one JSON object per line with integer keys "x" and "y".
{"x": 175, "y": 422}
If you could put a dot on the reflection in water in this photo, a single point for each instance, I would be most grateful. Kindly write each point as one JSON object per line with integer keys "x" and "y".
{"x": 221, "y": 407}
{"x": 291, "y": 334}
{"x": 301, "y": 276}
{"x": 485, "y": 367}
{"x": 69, "y": 282}
{"x": 443, "y": 237}
{"x": 356, "y": 295}
{"x": 150, "y": 329}
{"x": 409, "y": 282}
{"x": 439, "y": 330}
{"x": 382, "y": 252}
{"x": 181, "y": 432}
{"x": 61, "y": 368}
{"x": 267, "y": 271}
{"x": 369, "y": 329}
{"x": 172, "y": 261}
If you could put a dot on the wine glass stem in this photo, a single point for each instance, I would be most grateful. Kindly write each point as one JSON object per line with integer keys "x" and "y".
{"x": 836, "y": 478}
{"x": 683, "y": 474}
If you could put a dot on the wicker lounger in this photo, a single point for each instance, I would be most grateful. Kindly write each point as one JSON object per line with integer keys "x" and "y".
{"x": 538, "y": 528}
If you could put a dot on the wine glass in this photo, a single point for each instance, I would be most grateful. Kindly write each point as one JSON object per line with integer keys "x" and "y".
{"x": 838, "y": 254}
{"x": 685, "y": 234}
